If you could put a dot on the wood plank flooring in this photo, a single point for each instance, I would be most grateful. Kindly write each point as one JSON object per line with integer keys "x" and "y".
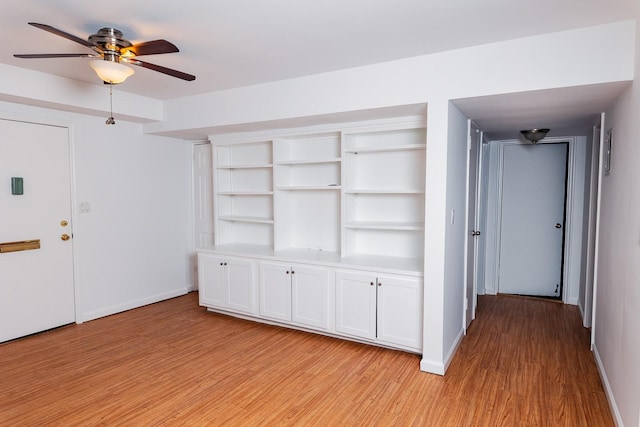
{"x": 523, "y": 362}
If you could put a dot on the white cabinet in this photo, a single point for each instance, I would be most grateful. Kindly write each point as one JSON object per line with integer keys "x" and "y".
{"x": 295, "y": 293}
{"x": 380, "y": 307}
{"x": 227, "y": 283}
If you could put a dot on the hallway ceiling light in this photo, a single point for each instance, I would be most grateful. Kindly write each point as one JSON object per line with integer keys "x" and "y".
{"x": 534, "y": 135}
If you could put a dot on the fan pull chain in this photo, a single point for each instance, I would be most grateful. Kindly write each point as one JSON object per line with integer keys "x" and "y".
{"x": 111, "y": 120}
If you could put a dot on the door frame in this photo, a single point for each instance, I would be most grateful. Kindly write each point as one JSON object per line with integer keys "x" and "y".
{"x": 196, "y": 147}
{"x": 572, "y": 245}
{"x": 472, "y": 128}
{"x": 46, "y": 121}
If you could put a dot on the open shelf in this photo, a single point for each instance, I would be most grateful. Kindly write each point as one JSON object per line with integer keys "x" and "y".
{"x": 309, "y": 188}
{"x": 239, "y": 218}
{"x": 248, "y": 166}
{"x": 364, "y": 150}
{"x": 307, "y": 162}
{"x": 384, "y": 191}
{"x": 386, "y": 225}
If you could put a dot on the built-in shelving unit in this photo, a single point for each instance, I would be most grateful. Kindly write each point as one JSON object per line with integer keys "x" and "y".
{"x": 353, "y": 193}
{"x": 322, "y": 231}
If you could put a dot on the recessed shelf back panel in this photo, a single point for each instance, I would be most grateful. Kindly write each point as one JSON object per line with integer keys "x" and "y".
{"x": 306, "y": 175}
{"x": 260, "y": 206}
{"x": 386, "y": 140}
{"x": 385, "y": 207}
{"x": 392, "y": 243}
{"x": 308, "y": 219}
{"x": 239, "y": 232}
{"x": 308, "y": 147}
{"x": 242, "y": 180}
{"x": 401, "y": 170}
{"x": 255, "y": 153}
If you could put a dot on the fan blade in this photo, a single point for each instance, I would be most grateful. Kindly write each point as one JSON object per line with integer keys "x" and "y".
{"x": 161, "y": 69}
{"x": 56, "y": 55}
{"x": 61, "y": 33}
{"x": 153, "y": 47}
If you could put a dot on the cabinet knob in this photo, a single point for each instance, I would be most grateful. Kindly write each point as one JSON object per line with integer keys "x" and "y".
{"x": 379, "y": 283}
{"x": 221, "y": 263}
{"x": 287, "y": 271}
{"x": 293, "y": 272}
{"x": 225, "y": 263}
{"x": 371, "y": 283}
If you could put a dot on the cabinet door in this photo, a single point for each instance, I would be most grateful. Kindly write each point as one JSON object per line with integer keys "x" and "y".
{"x": 310, "y": 293}
{"x": 356, "y": 304}
{"x": 212, "y": 280}
{"x": 400, "y": 311}
{"x": 275, "y": 291}
{"x": 240, "y": 284}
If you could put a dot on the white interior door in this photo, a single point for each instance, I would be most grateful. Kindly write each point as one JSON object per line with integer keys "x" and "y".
{"x": 36, "y": 285}
{"x": 472, "y": 224}
{"x": 532, "y": 219}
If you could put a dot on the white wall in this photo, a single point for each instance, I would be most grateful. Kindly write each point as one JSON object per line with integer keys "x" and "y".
{"x": 617, "y": 318}
{"x": 495, "y": 68}
{"x": 456, "y": 232}
{"x": 131, "y": 248}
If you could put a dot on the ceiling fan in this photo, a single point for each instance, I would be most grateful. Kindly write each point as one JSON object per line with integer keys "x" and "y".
{"x": 113, "y": 52}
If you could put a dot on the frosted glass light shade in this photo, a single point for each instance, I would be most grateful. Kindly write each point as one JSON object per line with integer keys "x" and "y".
{"x": 111, "y": 72}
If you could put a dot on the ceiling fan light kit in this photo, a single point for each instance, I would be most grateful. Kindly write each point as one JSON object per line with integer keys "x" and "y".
{"x": 110, "y": 48}
{"x": 111, "y": 72}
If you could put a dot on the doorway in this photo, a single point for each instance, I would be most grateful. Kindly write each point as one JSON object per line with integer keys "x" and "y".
{"x": 571, "y": 169}
{"x": 532, "y": 217}
{"x": 36, "y": 249}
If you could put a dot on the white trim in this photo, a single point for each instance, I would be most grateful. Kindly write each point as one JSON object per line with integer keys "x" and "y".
{"x": 608, "y": 391}
{"x": 597, "y": 237}
{"x": 395, "y": 123}
{"x": 432, "y": 367}
{"x": 586, "y": 308}
{"x": 465, "y": 270}
{"x": 567, "y": 276}
{"x": 133, "y": 304}
{"x": 452, "y": 351}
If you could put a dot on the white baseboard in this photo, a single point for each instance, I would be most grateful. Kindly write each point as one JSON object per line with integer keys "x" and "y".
{"x": 607, "y": 389}
{"x": 92, "y": 315}
{"x": 453, "y": 349}
{"x": 432, "y": 367}
{"x": 440, "y": 368}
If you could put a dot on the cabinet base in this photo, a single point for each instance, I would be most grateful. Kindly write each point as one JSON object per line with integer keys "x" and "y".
{"x": 315, "y": 331}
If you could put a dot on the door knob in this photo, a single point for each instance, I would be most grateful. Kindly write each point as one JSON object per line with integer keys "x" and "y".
{"x": 558, "y": 225}
{"x": 65, "y": 237}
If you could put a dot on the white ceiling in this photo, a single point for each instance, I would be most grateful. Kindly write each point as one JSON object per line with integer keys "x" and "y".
{"x": 232, "y": 43}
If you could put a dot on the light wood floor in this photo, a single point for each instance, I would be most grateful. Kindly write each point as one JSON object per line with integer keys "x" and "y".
{"x": 524, "y": 362}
